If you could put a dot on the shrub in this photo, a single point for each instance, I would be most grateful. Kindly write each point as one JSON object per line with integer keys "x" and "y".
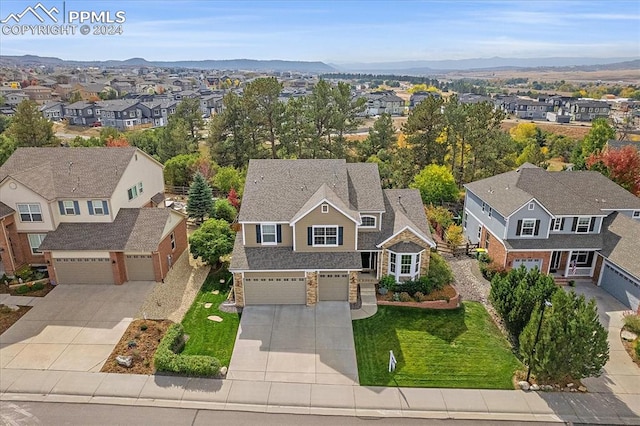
{"x": 439, "y": 271}
{"x": 638, "y": 348}
{"x": 387, "y": 281}
{"x": 491, "y": 270}
{"x": 484, "y": 258}
{"x": 222, "y": 209}
{"x": 440, "y": 216}
{"x": 404, "y": 297}
{"x": 419, "y": 296}
{"x": 454, "y": 236}
{"x": 37, "y": 286}
{"x": 169, "y": 359}
{"x": 632, "y": 322}
{"x": 23, "y": 289}
{"x": 144, "y": 327}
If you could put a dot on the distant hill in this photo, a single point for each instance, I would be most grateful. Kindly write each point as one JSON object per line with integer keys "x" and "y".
{"x": 209, "y": 64}
{"x": 496, "y": 63}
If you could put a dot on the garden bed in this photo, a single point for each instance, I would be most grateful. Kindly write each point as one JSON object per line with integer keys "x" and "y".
{"x": 444, "y": 298}
{"x": 8, "y": 316}
{"x": 12, "y": 289}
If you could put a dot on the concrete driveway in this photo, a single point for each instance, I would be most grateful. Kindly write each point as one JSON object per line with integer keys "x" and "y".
{"x": 621, "y": 375}
{"x": 73, "y": 328}
{"x": 295, "y": 344}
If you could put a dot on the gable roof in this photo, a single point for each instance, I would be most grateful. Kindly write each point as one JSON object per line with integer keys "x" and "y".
{"x": 561, "y": 193}
{"x": 5, "y": 210}
{"x": 404, "y": 210}
{"x": 621, "y": 235}
{"x": 68, "y": 172}
{"x": 324, "y": 193}
{"x": 134, "y": 230}
{"x": 277, "y": 190}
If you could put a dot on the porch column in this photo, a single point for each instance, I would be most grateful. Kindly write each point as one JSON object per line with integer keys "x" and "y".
{"x": 568, "y": 265}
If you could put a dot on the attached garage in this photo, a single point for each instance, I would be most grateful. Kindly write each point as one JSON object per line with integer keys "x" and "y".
{"x": 139, "y": 267}
{"x": 333, "y": 286}
{"x": 620, "y": 285}
{"x": 94, "y": 270}
{"x": 269, "y": 289}
{"x": 528, "y": 263}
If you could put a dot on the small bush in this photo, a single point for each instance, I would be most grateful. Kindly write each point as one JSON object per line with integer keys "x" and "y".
{"x": 37, "y": 286}
{"x": 439, "y": 271}
{"x": 387, "y": 281}
{"x": 484, "y": 258}
{"x": 396, "y": 297}
{"x": 404, "y": 297}
{"x": 632, "y": 322}
{"x": 23, "y": 289}
{"x": 169, "y": 359}
{"x": 491, "y": 270}
{"x": 638, "y": 348}
{"x": 419, "y": 296}
{"x": 144, "y": 327}
{"x": 132, "y": 344}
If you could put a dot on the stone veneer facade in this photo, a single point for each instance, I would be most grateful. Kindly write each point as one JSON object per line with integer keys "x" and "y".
{"x": 406, "y": 235}
{"x": 353, "y": 286}
{"x": 312, "y": 288}
{"x": 238, "y": 290}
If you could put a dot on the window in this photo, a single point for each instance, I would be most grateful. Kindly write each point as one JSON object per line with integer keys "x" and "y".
{"x": 483, "y": 206}
{"x": 464, "y": 220}
{"x": 34, "y": 242}
{"x": 172, "y": 237}
{"x": 30, "y": 212}
{"x": 490, "y": 212}
{"x": 636, "y": 214}
{"x": 417, "y": 265}
{"x": 98, "y": 207}
{"x": 583, "y": 224}
{"x": 557, "y": 224}
{"x": 528, "y": 227}
{"x": 132, "y": 192}
{"x": 325, "y": 208}
{"x": 405, "y": 264}
{"x": 532, "y": 206}
{"x": 486, "y": 242}
{"x": 392, "y": 262}
{"x": 69, "y": 208}
{"x": 325, "y": 236}
{"x": 268, "y": 234}
{"x": 582, "y": 258}
{"x": 479, "y": 231}
{"x": 368, "y": 222}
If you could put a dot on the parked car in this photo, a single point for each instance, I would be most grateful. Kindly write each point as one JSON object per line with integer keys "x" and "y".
{"x": 96, "y": 124}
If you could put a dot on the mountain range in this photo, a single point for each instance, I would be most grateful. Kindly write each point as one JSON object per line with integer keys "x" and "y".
{"x": 402, "y": 67}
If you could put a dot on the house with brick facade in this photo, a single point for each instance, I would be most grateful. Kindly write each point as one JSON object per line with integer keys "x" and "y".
{"x": 572, "y": 224}
{"x": 90, "y": 215}
{"x": 312, "y": 229}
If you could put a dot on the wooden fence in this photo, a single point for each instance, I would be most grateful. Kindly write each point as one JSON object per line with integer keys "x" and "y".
{"x": 461, "y": 250}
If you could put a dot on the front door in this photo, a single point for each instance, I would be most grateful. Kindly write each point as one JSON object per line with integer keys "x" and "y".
{"x": 555, "y": 261}
{"x": 366, "y": 260}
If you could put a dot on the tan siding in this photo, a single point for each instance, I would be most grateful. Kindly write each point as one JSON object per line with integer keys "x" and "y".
{"x": 333, "y": 217}
{"x": 274, "y": 274}
{"x": 250, "y": 236}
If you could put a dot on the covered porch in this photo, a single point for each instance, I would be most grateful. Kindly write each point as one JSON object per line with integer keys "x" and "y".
{"x": 572, "y": 264}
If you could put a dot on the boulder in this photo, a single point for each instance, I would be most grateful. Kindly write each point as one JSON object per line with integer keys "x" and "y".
{"x": 629, "y": 336}
{"x": 214, "y": 318}
{"x": 547, "y": 388}
{"x": 524, "y": 385}
{"x": 223, "y": 370}
{"x": 582, "y": 388}
{"x": 208, "y": 305}
{"x": 570, "y": 385}
{"x": 125, "y": 361}
{"x": 13, "y": 307}
{"x": 534, "y": 387}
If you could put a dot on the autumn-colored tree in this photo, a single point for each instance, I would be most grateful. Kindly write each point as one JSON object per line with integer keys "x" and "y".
{"x": 233, "y": 198}
{"x": 117, "y": 142}
{"x": 620, "y": 165}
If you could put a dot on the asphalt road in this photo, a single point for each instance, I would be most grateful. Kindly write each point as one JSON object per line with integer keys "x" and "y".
{"x": 17, "y": 413}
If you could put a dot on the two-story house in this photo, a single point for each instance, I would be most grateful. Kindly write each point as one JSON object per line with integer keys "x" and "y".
{"x": 124, "y": 114}
{"x": 534, "y": 110}
{"x": 86, "y": 214}
{"x": 564, "y": 223}
{"x": 82, "y": 113}
{"x": 588, "y": 110}
{"x": 311, "y": 229}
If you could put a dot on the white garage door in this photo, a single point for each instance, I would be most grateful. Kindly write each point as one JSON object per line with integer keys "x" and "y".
{"x": 275, "y": 291}
{"x": 333, "y": 286}
{"x": 83, "y": 271}
{"x": 621, "y": 286}
{"x": 139, "y": 267}
{"x": 528, "y": 263}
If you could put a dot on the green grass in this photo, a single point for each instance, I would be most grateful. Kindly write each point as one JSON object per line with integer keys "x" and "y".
{"x": 207, "y": 337}
{"x": 459, "y": 348}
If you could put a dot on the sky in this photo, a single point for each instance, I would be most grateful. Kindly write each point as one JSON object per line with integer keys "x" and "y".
{"x": 333, "y": 31}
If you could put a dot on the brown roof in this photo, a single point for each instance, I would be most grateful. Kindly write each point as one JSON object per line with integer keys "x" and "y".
{"x": 133, "y": 230}
{"x": 69, "y": 172}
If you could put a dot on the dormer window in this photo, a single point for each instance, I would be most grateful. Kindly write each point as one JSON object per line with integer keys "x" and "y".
{"x": 325, "y": 208}
{"x": 368, "y": 222}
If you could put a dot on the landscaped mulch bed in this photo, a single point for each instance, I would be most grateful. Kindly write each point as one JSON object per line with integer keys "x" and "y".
{"x": 447, "y": 292}
{"x": 9, "y": 317}
{"x": 146, "y": 343}
{"x": 5, "y": 289}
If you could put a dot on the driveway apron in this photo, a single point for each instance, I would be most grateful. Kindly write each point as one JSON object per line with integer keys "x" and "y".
{"x": 73, "y": 328}
{"x": 295, "y": 344}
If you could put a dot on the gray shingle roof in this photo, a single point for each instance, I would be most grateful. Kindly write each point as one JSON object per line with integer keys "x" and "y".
{"x": 404, "y": 208}
{"x": 68, "y": 172}
{"x": 5, "y": 210}
{"x": 364, "y": 187}
{"x": 557, "y": 242}
{"x": 621, "y": 236}
{"x": 133, "y": 230}
{"x": 325, "y": 193}
{"x": 562, "y": 193}
{"x": 282, "y": 258}
{"x": 275, "y": 190}
{"x": 406, "y": 247}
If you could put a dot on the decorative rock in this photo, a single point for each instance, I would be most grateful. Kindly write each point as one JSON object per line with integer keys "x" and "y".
{"x": 223, "y": 371}
{"x": 574, "y": 390}
{"x": 125, "y": 361}
{"x": 582, "y": 388}
{"x": 208, "y": 305}
{"x": 524, "y": 385}
{"x": 214, "y": 318}
{"x": 215, "y": 291}
{"x": 547, "y": 388}
{"x": 628, "y": 335}
{"x": 13, "y": 307}
{"x": 534, "y": 387}
{"x": 570, "y": 385}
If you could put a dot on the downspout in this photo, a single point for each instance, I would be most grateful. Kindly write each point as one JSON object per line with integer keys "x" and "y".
{"x": 6, "y": 239}
{"x": 160, "y": 263}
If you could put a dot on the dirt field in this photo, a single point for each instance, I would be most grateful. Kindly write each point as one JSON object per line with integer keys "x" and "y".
{"x": 569, "y": 130}
{"x": 631, "y": 76}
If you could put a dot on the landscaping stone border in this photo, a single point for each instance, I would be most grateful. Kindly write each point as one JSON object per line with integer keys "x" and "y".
{"x": 453, "y": 303}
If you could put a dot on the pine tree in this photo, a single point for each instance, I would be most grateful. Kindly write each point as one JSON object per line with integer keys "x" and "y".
{"x": 572, "y": 343}
{"x": 29, "y": 128}
{"x": 200, "y": 198}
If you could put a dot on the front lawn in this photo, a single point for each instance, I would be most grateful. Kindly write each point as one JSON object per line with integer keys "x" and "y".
{"x": 459, "y": 348}
{"x": 208, "y": 337}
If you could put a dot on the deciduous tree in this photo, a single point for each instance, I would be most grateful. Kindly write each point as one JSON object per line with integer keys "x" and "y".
{"x": 211, "y": 241}
{"x": 436, "y": 184}
{"x": 620, "y": 165}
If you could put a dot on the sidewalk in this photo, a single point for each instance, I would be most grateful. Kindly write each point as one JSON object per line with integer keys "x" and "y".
{"x": 305, "y": 398}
